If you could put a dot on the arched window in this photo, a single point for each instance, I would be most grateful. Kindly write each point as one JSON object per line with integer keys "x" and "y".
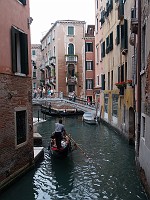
{"x": 71, "y": 49}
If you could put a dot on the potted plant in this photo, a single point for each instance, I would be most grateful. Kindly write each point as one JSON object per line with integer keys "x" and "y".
{"x": 121, "y": 84}
{"x": 129, "y": 82}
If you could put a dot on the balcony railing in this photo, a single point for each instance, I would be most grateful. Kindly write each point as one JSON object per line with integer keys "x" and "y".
{"x": 52, "y": 61}
{"x": 71, "y": 80}
{"x": 71, "y": 58}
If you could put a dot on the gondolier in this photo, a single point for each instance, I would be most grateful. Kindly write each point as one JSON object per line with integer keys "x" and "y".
{"x": 59, "y": 131}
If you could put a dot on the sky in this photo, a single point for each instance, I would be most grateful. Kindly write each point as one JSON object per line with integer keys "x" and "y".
{"x": 46, "y": 12}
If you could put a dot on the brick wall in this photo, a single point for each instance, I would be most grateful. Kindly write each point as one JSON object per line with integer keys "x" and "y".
{"x": 15, "y": 91}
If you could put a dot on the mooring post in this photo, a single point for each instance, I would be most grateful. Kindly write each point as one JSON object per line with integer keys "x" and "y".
{"x": 38, "y": 115}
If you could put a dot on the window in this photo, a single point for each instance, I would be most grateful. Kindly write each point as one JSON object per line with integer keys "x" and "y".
{"x": 103, "y": 81}
{"x": 89, "y": 84}
{"x": 89, "y": 65}
{"x": 70, "y": 30}
{"x": 97, "y": 54}
{"x": 70, "y": 49}
{"x": 103, "y": 50}
{"x": 19, "y": 51}
{"x": 23, "y": 2}
{"x": 89, "y": 47}
{"x": 33, "y": 52}
{"x": 117, "y": 34}
{"x": 34, "y": 74}
{"x": 106, "y": 103}
{"x": 71, "y": 88}
{"x": 21, "y": 126}
{"x": 115, "y": 105}
{"x": 34, "y": 85}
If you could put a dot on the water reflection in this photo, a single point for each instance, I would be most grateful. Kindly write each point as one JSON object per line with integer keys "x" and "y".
{"x": 110, "y": 173}
{"x": 62, "y": 171}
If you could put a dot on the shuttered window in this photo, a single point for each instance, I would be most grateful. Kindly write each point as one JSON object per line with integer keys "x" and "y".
{"x": 111, "y": 42}
{"x": 124, "y": 35}
{"x": 118, "y": 34}
{"x": 103, "y": 81}
{"x": 19, "y": 51}
{"x": 103, "y": 50}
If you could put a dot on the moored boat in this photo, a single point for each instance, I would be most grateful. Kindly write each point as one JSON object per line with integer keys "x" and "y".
{"x": 89, "y": 118}
{"x": 60, "y": 112}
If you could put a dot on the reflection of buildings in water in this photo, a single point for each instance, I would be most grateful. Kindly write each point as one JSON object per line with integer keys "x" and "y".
{"x": 63, "y": 173}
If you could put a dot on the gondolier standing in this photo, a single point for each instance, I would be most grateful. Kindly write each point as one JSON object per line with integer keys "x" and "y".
{"x": 59, "y": 131}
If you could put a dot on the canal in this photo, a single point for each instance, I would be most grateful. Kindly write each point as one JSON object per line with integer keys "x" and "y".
{"x": 106, "y": 170}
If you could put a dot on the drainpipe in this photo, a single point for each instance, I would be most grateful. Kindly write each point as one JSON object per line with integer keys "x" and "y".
{"x": 139, "y": 80}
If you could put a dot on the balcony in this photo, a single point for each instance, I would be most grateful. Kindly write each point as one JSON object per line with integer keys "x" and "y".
{"x": 71, "y": 58}
{"x": 52, "y": 61}
{"x": 71, "y": 80}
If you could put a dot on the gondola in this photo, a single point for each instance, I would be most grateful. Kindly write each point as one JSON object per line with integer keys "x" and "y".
{"x": 60, "y": 112}
{"x": 65, "y": 149}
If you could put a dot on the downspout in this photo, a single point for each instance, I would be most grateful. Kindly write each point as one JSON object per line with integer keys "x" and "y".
{"x": 139, "y": 80}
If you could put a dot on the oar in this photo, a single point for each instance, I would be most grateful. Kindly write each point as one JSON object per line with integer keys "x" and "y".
{"x": 78, "y": 146}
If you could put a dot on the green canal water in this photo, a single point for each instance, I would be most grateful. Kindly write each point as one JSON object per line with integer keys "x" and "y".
{"x": 106, "y": 170}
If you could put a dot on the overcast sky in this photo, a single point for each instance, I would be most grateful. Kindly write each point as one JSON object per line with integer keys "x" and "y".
{"x": 45, "y": 12}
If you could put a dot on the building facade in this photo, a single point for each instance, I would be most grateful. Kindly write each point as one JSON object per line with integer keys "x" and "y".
{"x": 16, "y": 121}
{"x": 122, "y": 29}
{"x": 63, "y": 55}
{"x": 36, "y": 58}
{"x": 116, "y": 91}
{"x": 89, "y": 71}
{"x": 143, "y": 114}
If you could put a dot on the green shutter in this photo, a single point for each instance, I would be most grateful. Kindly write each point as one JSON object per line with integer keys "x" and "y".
{"x": 24, "y": 53}
{"x": 13, "y": 49}
{"x": 103, "y": 81}
{"x": 111, "y": 42}
{"x": 126, "y": 33}
{"x": 118, "y": 35}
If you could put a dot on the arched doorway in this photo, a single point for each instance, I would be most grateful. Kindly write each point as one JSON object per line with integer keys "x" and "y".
{"x": 131, "y": 126}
